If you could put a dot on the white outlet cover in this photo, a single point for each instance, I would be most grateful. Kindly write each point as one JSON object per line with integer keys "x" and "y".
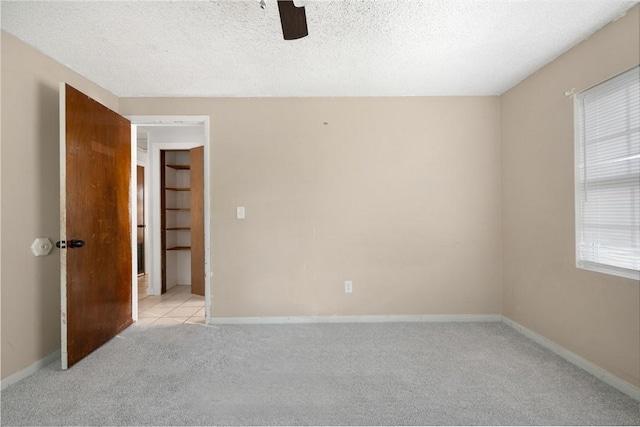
{"x": 41, "y": 246}
{"x": 348, "y": 286}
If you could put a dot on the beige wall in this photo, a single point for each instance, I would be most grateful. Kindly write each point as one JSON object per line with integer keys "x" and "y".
{"x": 30, "y": 200}
{"x": 402, "y": 196}
{"x": 594, "y": 315}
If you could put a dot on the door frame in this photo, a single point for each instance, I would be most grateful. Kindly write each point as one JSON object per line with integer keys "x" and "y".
{"x": 133, "y": 203}
{"x": 141, "y": 159}
{"x": 153, "y": 183}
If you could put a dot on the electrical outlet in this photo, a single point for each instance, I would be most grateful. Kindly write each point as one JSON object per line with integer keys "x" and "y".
{"x": 348, "y": 286}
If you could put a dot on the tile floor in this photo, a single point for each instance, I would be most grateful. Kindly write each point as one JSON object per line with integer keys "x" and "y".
{"x": 177, "y": 305}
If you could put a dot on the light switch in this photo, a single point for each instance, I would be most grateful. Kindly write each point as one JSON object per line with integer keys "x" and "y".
{"x": 240, "y": 212}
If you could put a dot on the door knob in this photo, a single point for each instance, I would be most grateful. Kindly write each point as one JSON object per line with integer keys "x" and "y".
{"x": 71, "y": 244}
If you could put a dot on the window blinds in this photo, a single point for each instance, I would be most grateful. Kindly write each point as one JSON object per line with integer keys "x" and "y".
{"x": 608, "y": 176}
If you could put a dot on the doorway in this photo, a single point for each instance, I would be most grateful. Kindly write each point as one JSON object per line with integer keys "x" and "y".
{"x": 162, "y": 133}
{"x": 182, "y": 219}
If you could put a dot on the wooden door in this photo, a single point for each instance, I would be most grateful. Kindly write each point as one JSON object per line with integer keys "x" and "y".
{"x": 197, "y": 220}
{"x": 95, "y": 173}
{"x": 140, "y": 215}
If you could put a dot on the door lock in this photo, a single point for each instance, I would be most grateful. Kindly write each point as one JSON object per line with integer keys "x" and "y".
{"x": 71, "y": 244}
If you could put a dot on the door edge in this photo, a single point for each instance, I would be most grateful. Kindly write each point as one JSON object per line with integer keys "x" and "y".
{"x": 64, "y": 356}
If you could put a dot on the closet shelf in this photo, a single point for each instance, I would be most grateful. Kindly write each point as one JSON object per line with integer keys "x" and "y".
{"x": 182, "y": 220}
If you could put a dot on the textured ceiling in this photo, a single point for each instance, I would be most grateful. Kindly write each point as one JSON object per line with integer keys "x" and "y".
{"x": 354, "y": 48}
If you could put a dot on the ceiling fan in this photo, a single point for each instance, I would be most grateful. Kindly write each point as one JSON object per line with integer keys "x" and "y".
{"x": 292, "y": 18}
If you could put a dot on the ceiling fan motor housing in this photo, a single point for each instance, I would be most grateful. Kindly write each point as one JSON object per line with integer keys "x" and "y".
{"x": 293, "y": 20}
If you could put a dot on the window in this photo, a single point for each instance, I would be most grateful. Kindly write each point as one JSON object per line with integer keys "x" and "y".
{"x": 607, "y": 144}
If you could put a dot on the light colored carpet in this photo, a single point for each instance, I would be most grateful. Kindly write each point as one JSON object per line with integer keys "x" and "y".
{"x": 319, "y": 374}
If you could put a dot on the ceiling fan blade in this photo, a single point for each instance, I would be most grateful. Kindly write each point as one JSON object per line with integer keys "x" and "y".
{"x": 293, "y": 20}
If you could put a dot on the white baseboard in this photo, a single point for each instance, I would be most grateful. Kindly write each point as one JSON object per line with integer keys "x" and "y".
{"x": 596, "y": 371}
{"x": 358, "y": 319}
{"x": 30, "y": 370}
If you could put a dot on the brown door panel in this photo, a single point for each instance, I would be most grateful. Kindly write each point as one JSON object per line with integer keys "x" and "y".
{"x": 197, "y": 220}
{"x": 140, "y": 219}
{"x": 98, "y": 176}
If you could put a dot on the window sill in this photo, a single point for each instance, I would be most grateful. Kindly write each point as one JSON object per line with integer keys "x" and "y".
{"x": 610, "y": 270}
